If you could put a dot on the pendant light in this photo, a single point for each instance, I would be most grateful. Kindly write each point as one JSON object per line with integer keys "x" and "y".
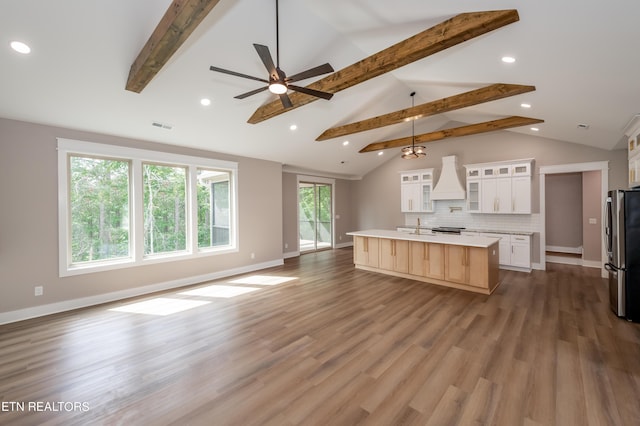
{"x": 413, "y": 151}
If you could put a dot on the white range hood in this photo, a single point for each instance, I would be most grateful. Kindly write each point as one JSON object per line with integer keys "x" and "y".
{"x": 449, "y": 186}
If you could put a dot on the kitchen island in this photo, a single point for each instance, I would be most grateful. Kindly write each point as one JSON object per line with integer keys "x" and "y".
{"x": 458, "y": 261}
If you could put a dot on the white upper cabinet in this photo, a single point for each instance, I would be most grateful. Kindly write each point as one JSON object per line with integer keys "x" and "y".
{"x": 633, "y": 149}
{"x": 496, "y": 195}
{"x": 410, "y": 197}
{"x": 521, "y": 195}
{"x": 474, "y": 203}
{"x": 503, "y": 187}
{"x": 415, "y": 191}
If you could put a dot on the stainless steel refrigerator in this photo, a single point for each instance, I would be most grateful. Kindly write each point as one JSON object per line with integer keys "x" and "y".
{"x": 622, "y": 239}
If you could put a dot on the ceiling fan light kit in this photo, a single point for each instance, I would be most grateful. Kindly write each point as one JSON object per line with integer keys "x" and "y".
{"x": 277, "y": 88}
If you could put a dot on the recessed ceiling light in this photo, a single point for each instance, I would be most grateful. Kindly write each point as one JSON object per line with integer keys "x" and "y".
{"x": 20, "y": 47}
{"x": 345, "y": 143}
{"x": 205, "y": 102}
{"x": 508, "y": 59}
{"x": 534, "y": 129}
{"x": 525, "y": 105}
{"x": 293, "y": 127}
{"x": 380, "y": 153}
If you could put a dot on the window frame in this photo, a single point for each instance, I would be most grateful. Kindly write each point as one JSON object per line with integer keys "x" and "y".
{"x": 137, "y": 157}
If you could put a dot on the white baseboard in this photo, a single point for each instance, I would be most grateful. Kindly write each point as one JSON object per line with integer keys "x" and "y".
{"x": 574, "y": 261}
{"x": 291, "y": 254}
{"x": 564, "y": 260}
{"x": 343, "y": 245}
{"x": 592, "y": 264}
{"x": 560, "y": 249}
{"x": 68, "y": 305}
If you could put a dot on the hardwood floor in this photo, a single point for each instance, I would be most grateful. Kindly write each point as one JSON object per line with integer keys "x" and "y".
{"x": 332, "y": 346}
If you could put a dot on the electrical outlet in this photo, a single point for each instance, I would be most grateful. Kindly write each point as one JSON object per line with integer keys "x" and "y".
{"x": 286, "y": 245}
{"x": 593, "y": 221}
{"x": 38, "y": 290}
{"x": 253, "y": 255}
{"x": 340, "y": 237}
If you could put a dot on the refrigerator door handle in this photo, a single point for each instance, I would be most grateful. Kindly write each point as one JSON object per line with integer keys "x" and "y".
{"x": 613, "y": 268}
{"x": 608, "y": 241}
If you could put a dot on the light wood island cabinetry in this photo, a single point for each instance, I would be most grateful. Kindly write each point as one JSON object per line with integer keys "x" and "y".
{"x": 365, "y": 251}
{"x": 468, "y": 263}
{"x": 393, "y": 255}
{"x": 426, "y": 259}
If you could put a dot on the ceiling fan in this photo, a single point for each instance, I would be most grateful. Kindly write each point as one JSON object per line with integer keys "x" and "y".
{"x": 453, "y": 31}
{"x": 278, "y": 82}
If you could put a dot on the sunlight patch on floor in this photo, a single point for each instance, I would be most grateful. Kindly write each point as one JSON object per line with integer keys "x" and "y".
{"x": 160, "y": 306}
{"x": 262, "y": 280}
{"x": 224, "y": 291}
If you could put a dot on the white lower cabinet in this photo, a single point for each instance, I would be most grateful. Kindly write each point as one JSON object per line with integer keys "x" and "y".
{"x": 521, "y": 251}
{"x": 515, "y": 250}
{"x": 504, "y": 245}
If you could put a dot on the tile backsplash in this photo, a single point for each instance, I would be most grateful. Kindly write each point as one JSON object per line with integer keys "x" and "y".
{"x": 454, "y": 213}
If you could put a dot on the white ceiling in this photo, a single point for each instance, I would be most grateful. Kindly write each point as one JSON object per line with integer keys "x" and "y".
{"x": 583, "y": 58}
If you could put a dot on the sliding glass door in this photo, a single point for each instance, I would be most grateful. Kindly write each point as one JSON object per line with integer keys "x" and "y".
{"x": 314, "y": 212}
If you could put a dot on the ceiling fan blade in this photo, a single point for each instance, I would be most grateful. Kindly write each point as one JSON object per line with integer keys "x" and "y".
{"x": 286, "y": 102}
{"x": 451, "y": 103}
{"x": 471, "y": 129}
{"x": 312, "y": 72}
{"x": 312, "y": 92}
{"x": 267, "y": 60}
{"x": 253, "y": 92}
{"x": 451, "y": 32}
{"x": 237, "y": 74}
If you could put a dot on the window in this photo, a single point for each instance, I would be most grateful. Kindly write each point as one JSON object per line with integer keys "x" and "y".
{"x": 99, "y": 204}
{"x": 164, "y": 208}
{"x": 214, "y": 213}
{"x": 121, "y": 207}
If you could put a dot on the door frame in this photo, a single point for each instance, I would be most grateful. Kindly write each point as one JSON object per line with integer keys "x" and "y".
{"x": 323, "y": 181}
{"x": 603, "y": 167}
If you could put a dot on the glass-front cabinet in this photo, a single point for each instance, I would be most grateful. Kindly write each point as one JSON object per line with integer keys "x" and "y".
{"x": 415, "y": 191}
{"x": 427, "y": 204}
{"x": 473, "y": 195}
{"x": 501, "y": 187}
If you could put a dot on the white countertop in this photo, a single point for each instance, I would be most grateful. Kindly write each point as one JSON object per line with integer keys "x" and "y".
{"x": 474, "y": 230}
{"x": 458, "y": 240}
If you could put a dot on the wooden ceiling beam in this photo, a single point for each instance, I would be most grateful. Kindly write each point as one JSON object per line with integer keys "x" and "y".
{"x": 179, "y": 21}
{"x": 451, "y": 103}
{"x": 451, "y": 32}
{"x": 472, "y": 129}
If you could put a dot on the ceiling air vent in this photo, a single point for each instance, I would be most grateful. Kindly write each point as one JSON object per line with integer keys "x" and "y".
{"x": 162, "y": 125}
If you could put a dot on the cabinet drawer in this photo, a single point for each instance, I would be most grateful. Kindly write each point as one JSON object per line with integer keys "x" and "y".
{"x": 523, "y": 239}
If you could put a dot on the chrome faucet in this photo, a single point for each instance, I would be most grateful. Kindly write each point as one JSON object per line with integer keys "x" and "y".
{"x": 418, "y": 227}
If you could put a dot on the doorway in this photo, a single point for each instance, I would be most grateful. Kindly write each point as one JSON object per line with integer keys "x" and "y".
{"x": 593, "y": 202}
{"x": 315, "y": 201}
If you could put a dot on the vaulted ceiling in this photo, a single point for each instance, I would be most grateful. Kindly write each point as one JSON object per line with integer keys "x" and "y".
{"x": 580, "y": 56}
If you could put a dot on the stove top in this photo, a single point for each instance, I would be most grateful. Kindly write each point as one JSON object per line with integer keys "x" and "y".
{"x": 448, "y": 229}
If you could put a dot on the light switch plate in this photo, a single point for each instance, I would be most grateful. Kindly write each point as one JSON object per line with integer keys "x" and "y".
{"x": 593, "y": 221}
